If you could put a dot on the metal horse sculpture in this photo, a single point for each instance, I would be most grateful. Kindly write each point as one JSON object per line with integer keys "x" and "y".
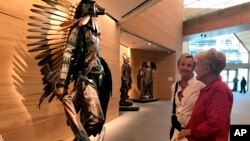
{"x": 67, "y": 39}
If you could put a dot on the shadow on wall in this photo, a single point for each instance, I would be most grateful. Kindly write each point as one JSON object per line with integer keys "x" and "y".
{"x": 45, "y": 123}
{"x": 26, "y": 81}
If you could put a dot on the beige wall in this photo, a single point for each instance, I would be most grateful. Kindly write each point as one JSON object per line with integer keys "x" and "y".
{"x": 162, "y": 25}
{"x": 110, "y": 51}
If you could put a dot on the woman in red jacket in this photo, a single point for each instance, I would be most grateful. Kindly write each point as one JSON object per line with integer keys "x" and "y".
{"x": 210, "y": 120}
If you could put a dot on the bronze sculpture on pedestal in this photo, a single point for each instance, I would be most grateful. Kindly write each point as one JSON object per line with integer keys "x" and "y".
{"x": 126, "y": 82}
{"x": 68, "y": 35}
{"x": 145, "y": 80}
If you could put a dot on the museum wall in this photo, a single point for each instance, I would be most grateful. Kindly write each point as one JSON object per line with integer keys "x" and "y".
{"x": 164, "y": 25}
{"x": 110, "y": 50}
{"x": 21, "y": 80}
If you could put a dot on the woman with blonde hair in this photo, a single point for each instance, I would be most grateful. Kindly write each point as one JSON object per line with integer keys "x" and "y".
{"x": 184, "y": 93}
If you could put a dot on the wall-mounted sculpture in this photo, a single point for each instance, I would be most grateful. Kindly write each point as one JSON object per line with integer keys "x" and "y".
{"x": 145, "y": 80}
{"x": 68, "y": 37}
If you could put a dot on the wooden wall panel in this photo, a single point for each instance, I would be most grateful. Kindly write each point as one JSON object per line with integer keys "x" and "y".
{"x": 110, "y": 51}
{"x": 165, "y": 70}
{"x": 21, "y": 82}
{"x": 161, "y": 23}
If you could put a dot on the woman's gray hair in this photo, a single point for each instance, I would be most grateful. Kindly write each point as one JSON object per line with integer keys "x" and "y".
{"x": 215, "y": 59}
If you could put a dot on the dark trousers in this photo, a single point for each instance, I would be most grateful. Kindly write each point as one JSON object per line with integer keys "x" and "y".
{"x": 243, "y": 89}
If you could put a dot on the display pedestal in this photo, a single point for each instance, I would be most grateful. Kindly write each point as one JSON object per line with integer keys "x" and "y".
{"x": 129, "y": 108}
{"x": 141, "y": 100}
{"x": 127, "y": 105}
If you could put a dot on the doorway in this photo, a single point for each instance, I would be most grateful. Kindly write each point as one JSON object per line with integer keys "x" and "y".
{"x": 229, "y": 74}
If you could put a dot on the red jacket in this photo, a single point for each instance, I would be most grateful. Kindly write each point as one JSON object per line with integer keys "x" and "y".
{"x": 210, "y": 120}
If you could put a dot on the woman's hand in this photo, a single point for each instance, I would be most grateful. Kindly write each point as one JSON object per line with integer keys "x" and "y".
{"x": 184, "y": 133}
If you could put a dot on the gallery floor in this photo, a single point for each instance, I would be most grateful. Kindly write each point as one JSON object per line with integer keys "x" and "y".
{"x": 151, "y": 122}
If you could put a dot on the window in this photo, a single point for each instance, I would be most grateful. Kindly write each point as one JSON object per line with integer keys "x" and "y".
{"x": 228, "y": 44}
